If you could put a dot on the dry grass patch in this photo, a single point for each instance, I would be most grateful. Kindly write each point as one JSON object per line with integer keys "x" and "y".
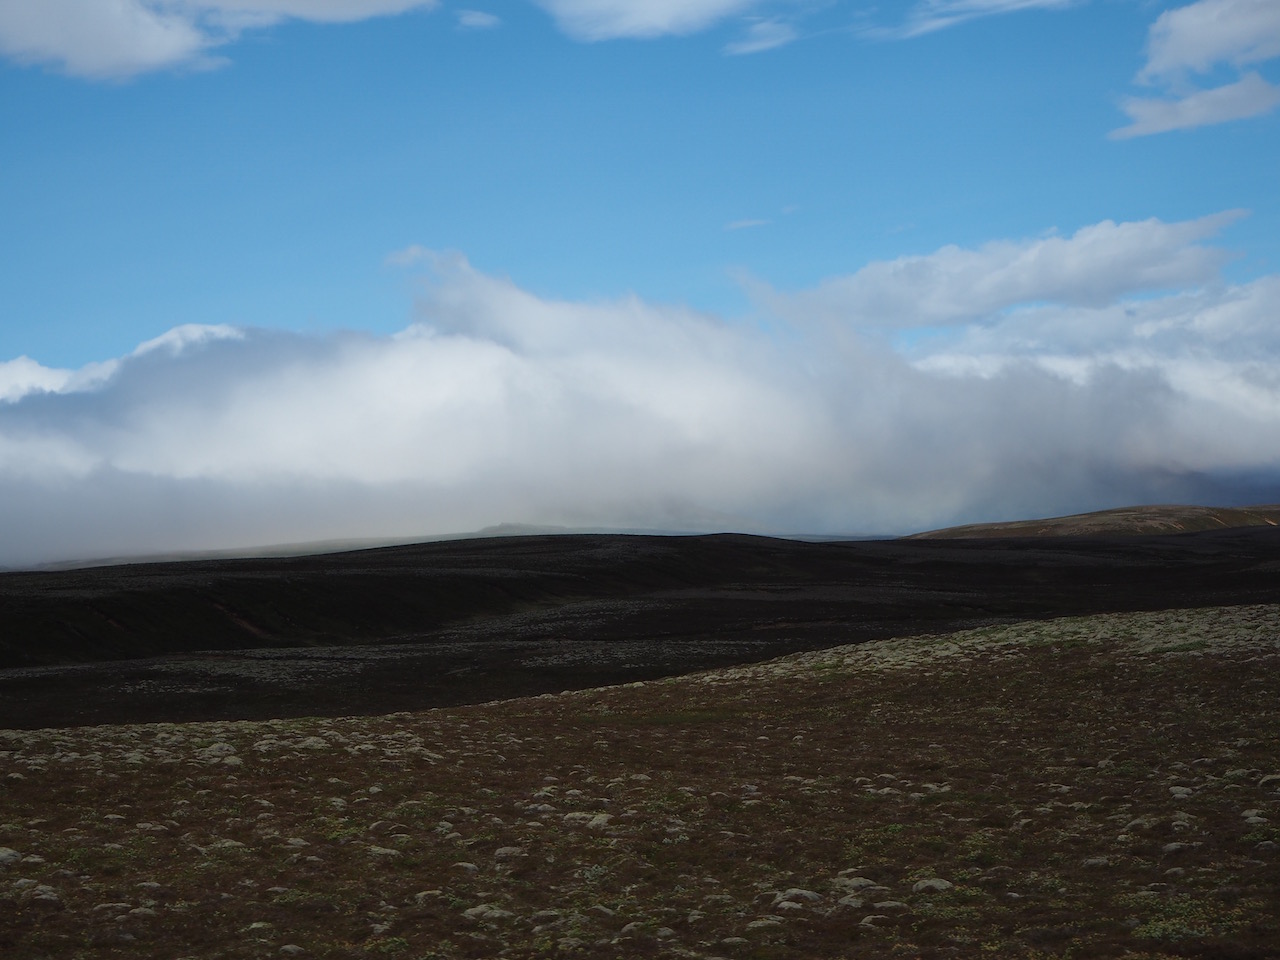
{"x": 1096, "y": 787}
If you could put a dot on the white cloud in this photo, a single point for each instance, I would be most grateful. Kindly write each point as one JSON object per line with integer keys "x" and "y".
{"x": 24, "y": 376}
{"x": 1197, "y": 39}
{"x": 1250, "y": 96}
{"x": 1041, "y": 377}
{"x": 120, "y": 38}
{"x": 477, "y": 20}
{"x": 763, "y": 35}
{"x": 933, "y": 15}
{"x": 1202, "y": 35}
{"x": 1096, "y": 265}
{"x": 612, "y": 19}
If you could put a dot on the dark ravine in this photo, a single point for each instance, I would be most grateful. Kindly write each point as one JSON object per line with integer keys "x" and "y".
{"x": 411, "y": 627}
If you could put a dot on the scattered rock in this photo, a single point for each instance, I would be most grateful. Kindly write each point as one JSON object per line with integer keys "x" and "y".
{"x": 852, "y": 883}
{"x": 795, "y": 895}
{"x": 8, "y": 855}
{"x": 933, "y": 885}
{"x": 486, "y": 911}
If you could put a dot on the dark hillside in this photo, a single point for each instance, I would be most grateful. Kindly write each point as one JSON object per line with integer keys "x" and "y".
{"x": 467, "y": 621}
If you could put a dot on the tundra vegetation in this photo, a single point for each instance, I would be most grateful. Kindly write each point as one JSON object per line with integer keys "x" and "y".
{"x": 1091, "y": 787}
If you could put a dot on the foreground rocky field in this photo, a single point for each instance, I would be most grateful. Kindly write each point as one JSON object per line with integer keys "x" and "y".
{"x": 1090, "y": 787}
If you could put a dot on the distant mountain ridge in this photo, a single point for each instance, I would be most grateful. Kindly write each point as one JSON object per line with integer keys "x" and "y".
{"x": 1122, "y": 521}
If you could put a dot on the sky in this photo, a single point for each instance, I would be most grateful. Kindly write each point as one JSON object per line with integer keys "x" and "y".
{"x": 276, "y": 271}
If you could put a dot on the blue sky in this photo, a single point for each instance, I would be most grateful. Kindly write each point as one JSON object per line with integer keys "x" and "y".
{"x": 781, "y": 266}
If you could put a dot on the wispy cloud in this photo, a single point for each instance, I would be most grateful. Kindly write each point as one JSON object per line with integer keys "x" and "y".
{"x": 121, "y": 38}
{"x": 477, "y": 20}
{"x": 933, "y": 15}
{"x": 763, "y": 35}
{"x": 746, "y": 224}
{"x": 612, "y": 19}
{"x": 1046, "y": 375}
{"x": 1195, "y": 40}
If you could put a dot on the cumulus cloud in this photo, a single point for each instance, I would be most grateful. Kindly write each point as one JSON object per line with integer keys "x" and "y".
{"x": 1061, "y": 383}
{"x": 1198, "y": 37}
{"x": 612, "y": 19}
{"x": 1095, "y": 265}
{"x": 120, "y": 38}
{"x": 1196, "y": 40}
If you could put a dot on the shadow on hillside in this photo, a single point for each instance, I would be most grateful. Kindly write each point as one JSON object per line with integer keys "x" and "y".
{"x": 439, "y": 624}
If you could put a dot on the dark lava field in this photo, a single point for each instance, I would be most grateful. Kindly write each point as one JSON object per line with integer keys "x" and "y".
{"x": 467, "y": 621}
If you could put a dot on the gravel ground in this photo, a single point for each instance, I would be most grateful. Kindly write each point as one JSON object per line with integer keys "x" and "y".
{"x": 1091, "y": 787}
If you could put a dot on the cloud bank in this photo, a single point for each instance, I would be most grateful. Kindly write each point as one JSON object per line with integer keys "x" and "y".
{"x": 1030, "y": 377}
{"x": 1197, "y": 40}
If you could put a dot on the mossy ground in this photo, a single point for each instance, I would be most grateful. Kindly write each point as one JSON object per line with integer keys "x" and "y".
{"x": 1095, "y": 787}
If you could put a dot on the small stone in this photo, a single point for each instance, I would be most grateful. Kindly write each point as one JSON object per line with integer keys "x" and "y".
{"x": 291, "y": 950}
{"x": 852, "y": 883}
{"x": 895, "y": 906}
{"x": 797, "y": 894}
{"x": 1178, "y": 847}
{"x": 383, "y": 852}
{"x": 8, "y": 855}
{"x": 664, "y": 933}
{"x": 469, "y": 868}
{"x": 216, "y": 751}
{"x": 766, "y": 924}
{"x": 632, "y": 928}
{"x": 932, "y": 885}
{"x": 486, "y": 911}
{"x": 1095, "y": 862}
{"x": 508, "y": 853}
{"x": 873, "y": 920}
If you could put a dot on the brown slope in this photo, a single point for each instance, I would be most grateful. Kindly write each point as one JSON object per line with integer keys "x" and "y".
{"x": 1122, "y": 521}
